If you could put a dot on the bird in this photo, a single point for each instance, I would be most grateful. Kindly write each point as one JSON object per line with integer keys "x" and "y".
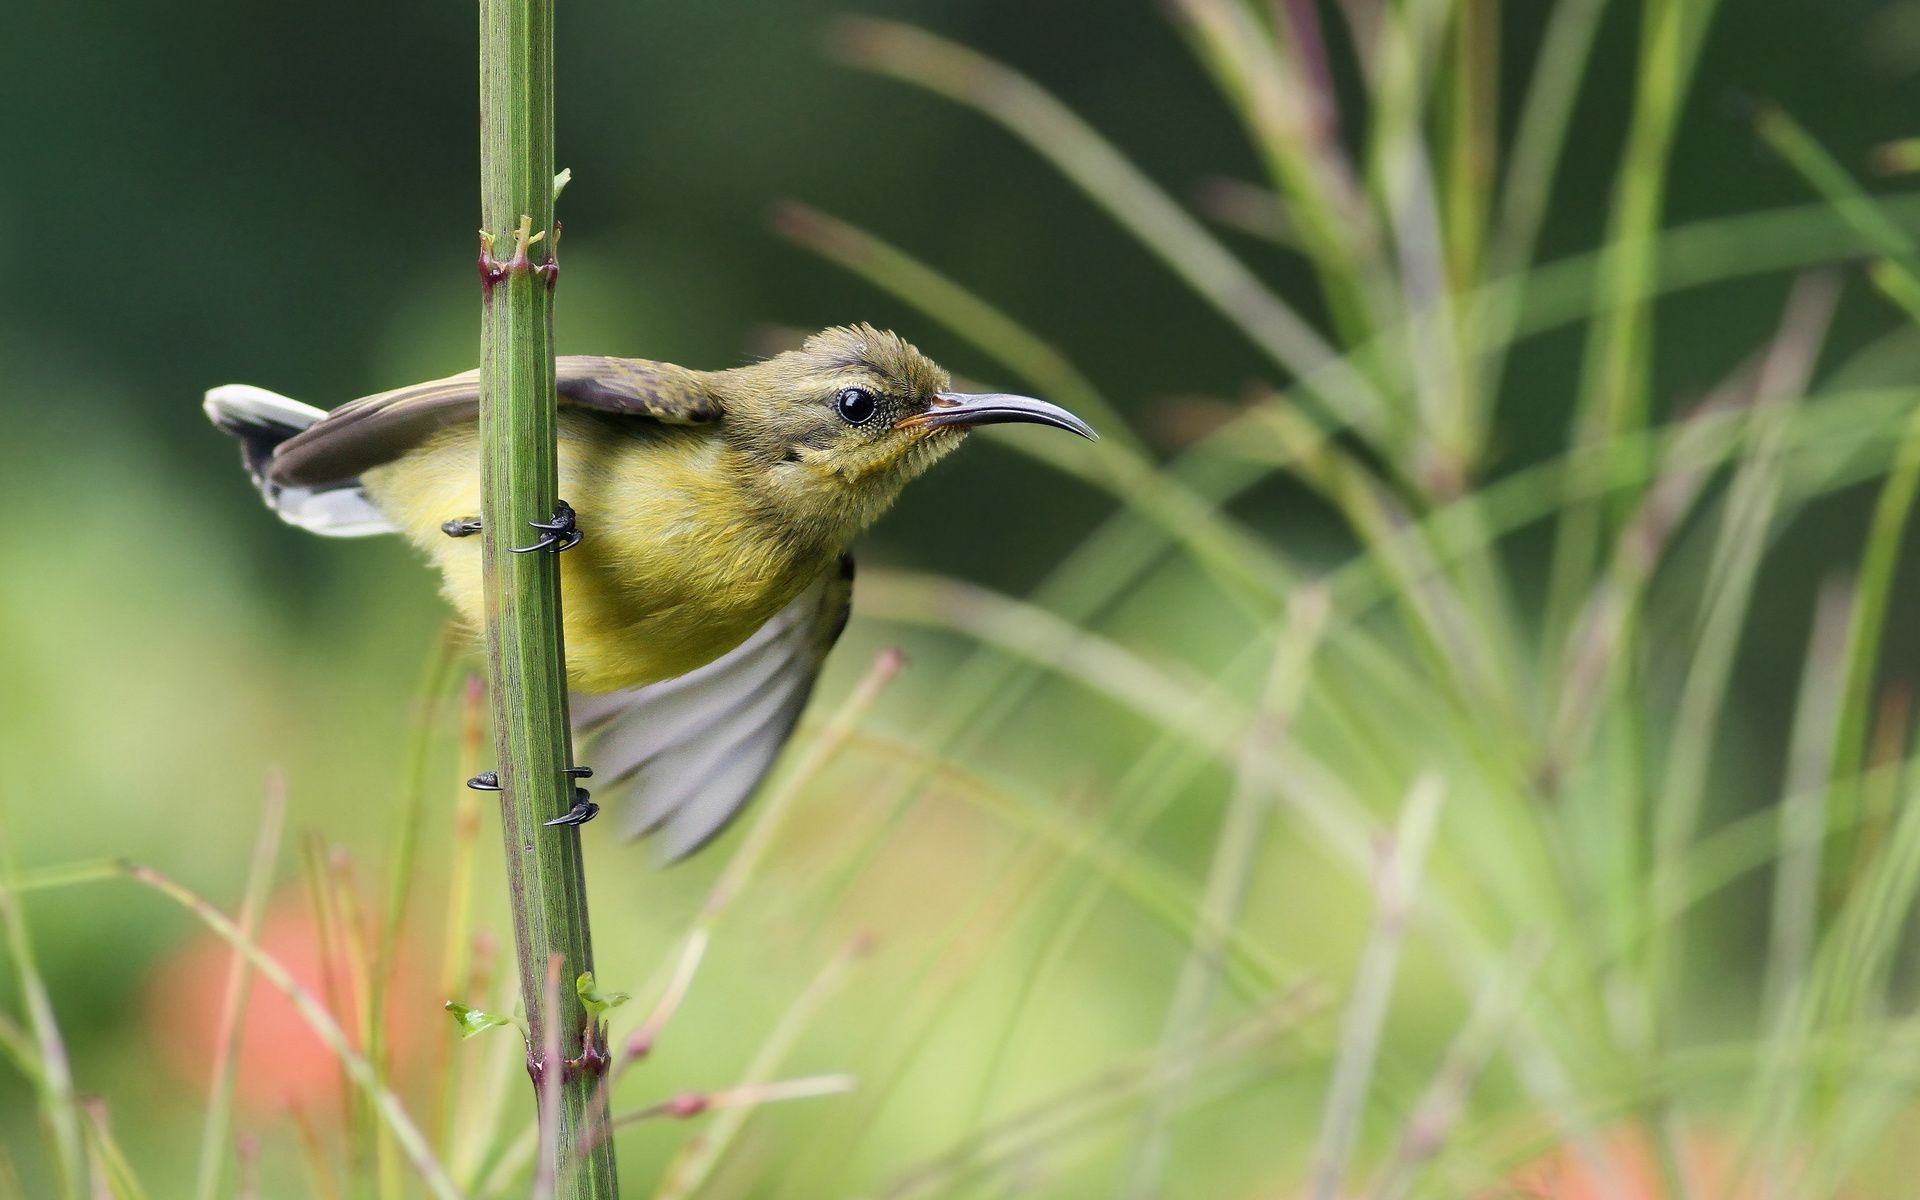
{"x": 706, "y": 517}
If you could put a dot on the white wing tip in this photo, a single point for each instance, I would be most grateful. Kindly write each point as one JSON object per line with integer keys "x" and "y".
{"x": 245, "y": 403}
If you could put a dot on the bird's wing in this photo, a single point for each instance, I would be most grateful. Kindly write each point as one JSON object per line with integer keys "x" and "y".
{"x": 687, "y": 753}
{"x": 378, "y": 429}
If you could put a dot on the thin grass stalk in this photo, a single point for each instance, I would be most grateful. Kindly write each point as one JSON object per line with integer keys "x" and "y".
{"x": 457, "y": 946}
{"x": 425, "y": 711}
{"x": 1616, "y": 383}
{"x": 1856, "y": 963}
{"x": 526, "y": 669}
{"x": 238, "y": 991}
{"x": 358, "y": 951}
{"x": 58, "y": 1106}
{"x": 914, "y": 56}
{"x": 17, "y": 1048}
{"x": 481, "y": 1133}
{"x": 1803, "y": 819}
{"x": 694, "y": 1165}
{"x": 1149, "y": 883}
{"x": 1236, "y": 848}
{"x": 114, "y": 1176}
{"x": 1439, "y": 436}
{"x": 1113, "y": 861}
{"x": 1400, "y": 863}
{"x": 1470, "y": 132}
{"x": 1287, "y": 117}
{"x": 1434, "y": 1118}
{"x": 314, "y": 1155}
{"x": 950, "y": 963}
{"x": 1898, "y": 276}
{"x": 333, "y": 989}
{"x": 774, "y": 1091}
{"x": 1068, "y": 1110}
{"x": 1748, "y": 520}
{"x": 1789, "y": 1001}
{"x": 386, "y": 1106}
{"x": 1545, "y": 114}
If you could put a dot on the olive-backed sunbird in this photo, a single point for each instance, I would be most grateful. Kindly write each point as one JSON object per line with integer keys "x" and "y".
{"x": 715, "y": 509}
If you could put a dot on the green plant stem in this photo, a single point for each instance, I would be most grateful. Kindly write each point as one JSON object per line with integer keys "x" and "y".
{"x": 525, "y": 658}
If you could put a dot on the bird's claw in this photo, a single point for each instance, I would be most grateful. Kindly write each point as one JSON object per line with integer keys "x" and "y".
{"x": 461, "y": 527}
{"x": 560, "y": 533}
{"x": 583, "y": 809}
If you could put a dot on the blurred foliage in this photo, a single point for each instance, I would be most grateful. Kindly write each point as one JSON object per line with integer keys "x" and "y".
{"x": 284, "y": 197}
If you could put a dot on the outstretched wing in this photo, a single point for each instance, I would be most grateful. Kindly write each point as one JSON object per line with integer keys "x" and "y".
{"x": 687, "y": 753}
{"x": 378, "y": 429}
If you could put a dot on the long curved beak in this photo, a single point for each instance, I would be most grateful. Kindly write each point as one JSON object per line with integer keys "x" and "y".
{"x": 994, "y": 408}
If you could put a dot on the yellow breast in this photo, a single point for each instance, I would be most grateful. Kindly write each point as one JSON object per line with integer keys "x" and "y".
{"x": 680, "y": 562}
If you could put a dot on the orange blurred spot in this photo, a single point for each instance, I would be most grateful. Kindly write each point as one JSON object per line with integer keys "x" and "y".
{"x": 1627, "y": 1169}
{"x": 282, "y": 1063}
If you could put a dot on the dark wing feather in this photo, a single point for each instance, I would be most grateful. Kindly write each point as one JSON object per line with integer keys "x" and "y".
{"x": 378, "y": 429}
{"x": 688, "y": 753}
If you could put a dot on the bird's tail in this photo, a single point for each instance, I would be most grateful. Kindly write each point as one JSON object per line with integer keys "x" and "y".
{"x": 260, "y": 420}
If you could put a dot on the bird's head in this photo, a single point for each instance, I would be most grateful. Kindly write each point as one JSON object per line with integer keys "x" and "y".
{"x": 840, "y": 425}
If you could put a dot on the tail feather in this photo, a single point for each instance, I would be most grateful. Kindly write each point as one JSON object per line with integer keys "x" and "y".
{"x": 260, "y": 420}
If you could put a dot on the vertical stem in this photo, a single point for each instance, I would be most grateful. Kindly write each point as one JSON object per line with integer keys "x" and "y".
{"x": 525, "y": 657}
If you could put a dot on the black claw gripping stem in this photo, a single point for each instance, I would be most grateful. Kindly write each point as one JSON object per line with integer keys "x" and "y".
{"x": 583, "y": 809}
{"x": 561, "y": 533}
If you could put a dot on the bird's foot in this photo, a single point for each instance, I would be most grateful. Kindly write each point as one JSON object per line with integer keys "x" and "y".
{"x": 583, "y": 809}
{"x": 461, "y": 527}
{"x": 560, "y": 533}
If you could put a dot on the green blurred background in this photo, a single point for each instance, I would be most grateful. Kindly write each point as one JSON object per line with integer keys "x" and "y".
{"x": 285, "y": 196}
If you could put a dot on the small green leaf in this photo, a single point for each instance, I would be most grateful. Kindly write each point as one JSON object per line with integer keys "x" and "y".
{"x": 473, "y": 1020}
{"x": 595, "y": 1001}
{"x": 561, "y": 181}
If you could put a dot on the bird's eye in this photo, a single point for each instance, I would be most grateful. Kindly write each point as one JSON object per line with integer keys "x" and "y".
{"x": 855, "y": 405}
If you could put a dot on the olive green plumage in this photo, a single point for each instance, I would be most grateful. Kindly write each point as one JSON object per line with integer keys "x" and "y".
{"x": 716, "y": 508}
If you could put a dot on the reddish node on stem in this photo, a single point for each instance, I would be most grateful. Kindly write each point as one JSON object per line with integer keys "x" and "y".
{"x": 687, "y": 1104}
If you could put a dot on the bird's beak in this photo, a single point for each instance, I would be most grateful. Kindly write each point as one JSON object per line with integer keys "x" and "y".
{"x": 994, "y": 408}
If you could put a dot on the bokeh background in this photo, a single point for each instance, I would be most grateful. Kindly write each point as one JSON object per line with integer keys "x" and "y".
{"x": 285, "y": 196}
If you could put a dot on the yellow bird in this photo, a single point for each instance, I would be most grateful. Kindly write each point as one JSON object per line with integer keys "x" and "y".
{"x": 715, "y": 509}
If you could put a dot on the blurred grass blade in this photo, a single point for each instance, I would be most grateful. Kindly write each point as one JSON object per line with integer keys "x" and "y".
{"x": 1803, "y": 816}
{"x": 920, "y": 58}
{"x": 1068, "y": 1111}
{"x": 1435, "y": 1116}
{"x": 238, "y": 992}
{"x": 59, "y": 1108}
{"x": 1236, "y": 847}
{"x": 1616, "y": 383}
{"x": 698, "y": 1158}
{"x": 1805, "y": 155}
{"x": 113, "y": 1174}
{"x": 1747, "y": 525}
{"x": 1289, "y": 123}
{"x": 384, "y": 1103}
{"x": 1401, "y": 858}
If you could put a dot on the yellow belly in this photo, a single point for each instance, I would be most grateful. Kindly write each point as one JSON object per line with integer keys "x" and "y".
{"x": 677, "y": 565}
